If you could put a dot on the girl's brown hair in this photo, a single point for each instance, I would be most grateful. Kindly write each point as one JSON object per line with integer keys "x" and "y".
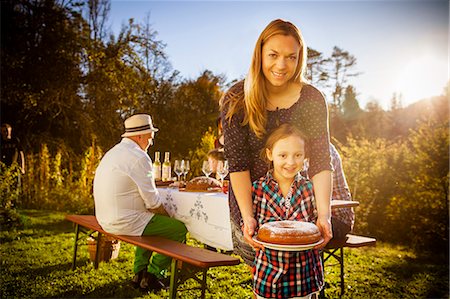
{"x": 281, "y": 132}
{"x": 254, "y": 98}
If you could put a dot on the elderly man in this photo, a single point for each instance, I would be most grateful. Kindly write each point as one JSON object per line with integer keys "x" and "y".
{"x": 127, "y": 201}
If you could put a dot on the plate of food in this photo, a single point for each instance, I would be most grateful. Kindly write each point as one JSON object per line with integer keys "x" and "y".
{"x": 209, "y": 190}
{"x": 202, "y": 184}
{"x": 288, "y": 235}
{"x": 163, "y": 183}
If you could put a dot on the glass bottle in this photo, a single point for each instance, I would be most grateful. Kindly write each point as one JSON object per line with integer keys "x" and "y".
{"x": 166, "y": 168}
{"x": 157, "y": 167}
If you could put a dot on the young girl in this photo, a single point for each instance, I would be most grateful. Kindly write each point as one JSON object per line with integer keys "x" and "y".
{"x": 284, "y": 194}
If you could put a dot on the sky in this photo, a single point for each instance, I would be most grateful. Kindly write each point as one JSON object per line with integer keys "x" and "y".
{"x": 401, "y": 46}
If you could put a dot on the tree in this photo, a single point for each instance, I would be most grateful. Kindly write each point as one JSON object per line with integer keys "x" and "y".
{"x": 350, "y": 105}
{"x": 97, "y": 16}
{"x": 316, "y": 68}
{"x": 126, "y": 75}
{"x": 375, "y": 122}
{"x": 396, "y": 101}
{"x": 189, "y": 114}
{"x": 340, "y": 65}
{"x": 40, "y": 56}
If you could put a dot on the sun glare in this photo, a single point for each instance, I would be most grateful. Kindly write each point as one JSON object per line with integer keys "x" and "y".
{"x": 421, "y": 78}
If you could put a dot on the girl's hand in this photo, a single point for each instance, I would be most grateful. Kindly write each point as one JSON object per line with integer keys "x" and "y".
{"x": 249, "y": 230}
{"x": 324, "y": 225}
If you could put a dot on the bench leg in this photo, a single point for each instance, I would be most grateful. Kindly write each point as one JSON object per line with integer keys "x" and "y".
{"x": 75, "y": 246}
{"x": 173, "y": 280}
{"x": 97, "y": 250}
{"x": 204, "y": 283}
{"x": 342, "y": 271}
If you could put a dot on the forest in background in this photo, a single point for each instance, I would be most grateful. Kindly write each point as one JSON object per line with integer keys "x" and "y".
{"x": 67, "y": 84}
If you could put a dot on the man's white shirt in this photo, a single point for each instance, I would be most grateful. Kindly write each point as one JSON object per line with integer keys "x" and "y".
{"x": 124, "y": 189}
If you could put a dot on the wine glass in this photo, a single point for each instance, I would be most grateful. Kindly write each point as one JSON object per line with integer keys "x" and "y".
{"x": 222, "y": 169}
{"x": 178, "y": 168}
{"x": 206, "y": 168}
{"x": 187, "y": 167}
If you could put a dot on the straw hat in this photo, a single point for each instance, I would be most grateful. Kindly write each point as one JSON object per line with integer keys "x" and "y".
{"x": 138, "y": 124}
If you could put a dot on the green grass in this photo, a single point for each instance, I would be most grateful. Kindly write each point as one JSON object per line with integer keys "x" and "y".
{"x": 36, "y": 263}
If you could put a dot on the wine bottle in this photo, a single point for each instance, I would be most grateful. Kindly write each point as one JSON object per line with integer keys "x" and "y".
{"x": 166, "y": 168}
{"x": 157, "y": 167}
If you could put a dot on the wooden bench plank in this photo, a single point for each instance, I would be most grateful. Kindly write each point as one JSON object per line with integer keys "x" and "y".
{"x": 195, "y": 256}
{"x": 337, "y": 204}
{"x": 354, "y": 241}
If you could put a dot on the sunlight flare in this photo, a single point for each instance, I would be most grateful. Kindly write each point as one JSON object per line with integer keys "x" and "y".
{"x": 421, "y": 78}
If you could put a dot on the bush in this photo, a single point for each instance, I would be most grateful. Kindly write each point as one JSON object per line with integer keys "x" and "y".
{"x": 51, "y": 182}
{"x": 10, "y": 190}
{"x": 402, "y": 186}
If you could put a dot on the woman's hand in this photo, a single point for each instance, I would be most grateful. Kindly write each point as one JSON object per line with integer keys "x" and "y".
{"x": 324, "y": 225}
{"x": 249, "y": 230}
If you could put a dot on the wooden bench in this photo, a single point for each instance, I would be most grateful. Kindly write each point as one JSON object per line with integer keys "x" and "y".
{"x": 335, "y": 249}
{"x": 199, "y": 258}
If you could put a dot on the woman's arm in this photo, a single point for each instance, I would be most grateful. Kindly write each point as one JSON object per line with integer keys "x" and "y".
{"x": 322, "y": 182}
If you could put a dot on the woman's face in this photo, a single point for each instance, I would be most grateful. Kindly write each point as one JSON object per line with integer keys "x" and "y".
{"x": 279, "y": 59}
{"x": 288, "y": 156}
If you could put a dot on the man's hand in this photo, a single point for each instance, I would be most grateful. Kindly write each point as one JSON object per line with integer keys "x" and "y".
{"x": 324, "y": 225}
{"x": 249, "y": 230}
{"x": 160, "y": 211}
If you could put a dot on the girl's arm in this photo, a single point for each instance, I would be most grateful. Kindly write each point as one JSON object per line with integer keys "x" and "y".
{"x": 322, "y": 182}
{"x": 242, "y": 188}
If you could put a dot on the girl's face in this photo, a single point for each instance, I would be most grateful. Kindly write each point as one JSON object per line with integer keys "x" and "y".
{"x": 279, "y": 59}
{"x": 288, "y": 156}
{"x": 213, "y": 164}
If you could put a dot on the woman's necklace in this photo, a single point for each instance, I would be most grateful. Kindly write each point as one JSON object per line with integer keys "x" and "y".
{"x": 271, "y": 105}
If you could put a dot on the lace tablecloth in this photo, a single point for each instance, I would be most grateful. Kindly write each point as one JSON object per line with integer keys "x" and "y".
{"x": 206, "y": 215}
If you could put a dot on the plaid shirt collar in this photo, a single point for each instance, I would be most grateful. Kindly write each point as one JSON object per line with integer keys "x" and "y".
{"x": 270, "y": 180}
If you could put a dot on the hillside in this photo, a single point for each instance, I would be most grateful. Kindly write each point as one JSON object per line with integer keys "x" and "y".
{"x": 434, "y": 108}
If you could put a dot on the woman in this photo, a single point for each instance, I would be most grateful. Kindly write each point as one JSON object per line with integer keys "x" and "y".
{"x": 274, "y": 92}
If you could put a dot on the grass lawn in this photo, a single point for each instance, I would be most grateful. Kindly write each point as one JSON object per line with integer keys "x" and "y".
{"x": 36, "y": 263}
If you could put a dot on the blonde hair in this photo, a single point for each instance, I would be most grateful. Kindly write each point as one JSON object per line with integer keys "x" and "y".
{"x": 283, "y": 131}
{"x": 255, "y": 92}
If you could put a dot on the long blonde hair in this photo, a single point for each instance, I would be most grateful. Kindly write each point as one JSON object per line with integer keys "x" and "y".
{"x": 255, "y": 91}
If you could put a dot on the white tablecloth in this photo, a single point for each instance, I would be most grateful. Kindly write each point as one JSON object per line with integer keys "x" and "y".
{"x": 206, "y": 215}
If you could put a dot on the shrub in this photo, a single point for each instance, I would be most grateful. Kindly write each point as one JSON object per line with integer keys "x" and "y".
{"x": 10, "y": 190}
{"x": 402, "y": 186}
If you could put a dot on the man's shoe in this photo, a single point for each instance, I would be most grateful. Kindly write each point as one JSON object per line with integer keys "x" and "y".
{"x": 136, "y": 281}
{"x": 150, "y": 282}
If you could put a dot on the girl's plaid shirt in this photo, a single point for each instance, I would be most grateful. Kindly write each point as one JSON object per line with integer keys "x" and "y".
{"x": 285, "y": 274}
